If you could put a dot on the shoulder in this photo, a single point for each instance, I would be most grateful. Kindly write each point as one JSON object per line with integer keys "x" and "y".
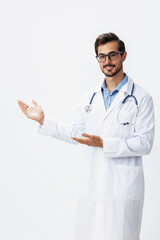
{"x": 88, "y": 94}
{"x": 139, "y": 91}
{"x": 143, "y": 96}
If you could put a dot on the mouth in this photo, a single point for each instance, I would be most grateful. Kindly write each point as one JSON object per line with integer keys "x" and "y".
{"x": 109, "y": 67}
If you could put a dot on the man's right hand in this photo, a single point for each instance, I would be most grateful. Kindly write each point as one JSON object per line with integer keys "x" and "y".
{"x": 33, "y": 112}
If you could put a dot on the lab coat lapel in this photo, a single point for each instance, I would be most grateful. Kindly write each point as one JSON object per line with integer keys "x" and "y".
{"x": 124, "y": 91}
{"x": 100, "y": 102}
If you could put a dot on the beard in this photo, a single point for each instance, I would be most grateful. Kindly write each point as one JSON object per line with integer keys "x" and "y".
{"x": 112, "y": 73}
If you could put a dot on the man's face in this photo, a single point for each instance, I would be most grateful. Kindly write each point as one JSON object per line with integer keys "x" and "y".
{"x": 111, "y": 67}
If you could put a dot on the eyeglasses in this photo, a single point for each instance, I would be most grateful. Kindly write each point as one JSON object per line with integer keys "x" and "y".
{"x": 112, "y": 56}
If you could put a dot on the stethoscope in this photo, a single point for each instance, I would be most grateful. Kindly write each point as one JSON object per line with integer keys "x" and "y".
{"x": 88, "y": 108}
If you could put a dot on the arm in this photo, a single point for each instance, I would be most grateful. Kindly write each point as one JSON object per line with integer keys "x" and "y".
{"x": 142, "y": 141}
{"x": 51, "y": 127}
{"x": 63, "y": 131}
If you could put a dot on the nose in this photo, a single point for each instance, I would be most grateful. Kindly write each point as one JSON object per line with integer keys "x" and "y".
{"x": 107, "y": 61}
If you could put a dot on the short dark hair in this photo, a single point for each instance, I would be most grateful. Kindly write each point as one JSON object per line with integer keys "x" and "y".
{"x": 109, "y": 37}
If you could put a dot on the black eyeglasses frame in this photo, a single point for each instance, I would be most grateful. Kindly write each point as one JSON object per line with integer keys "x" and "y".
{"x": 109, "y": 56}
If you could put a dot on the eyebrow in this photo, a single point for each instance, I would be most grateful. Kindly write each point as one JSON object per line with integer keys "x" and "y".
{"x": 107, "y": 54}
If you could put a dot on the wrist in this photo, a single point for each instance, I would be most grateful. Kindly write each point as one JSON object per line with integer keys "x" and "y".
{"x": 41, "y": 121}
{"x": 101, "y": 143}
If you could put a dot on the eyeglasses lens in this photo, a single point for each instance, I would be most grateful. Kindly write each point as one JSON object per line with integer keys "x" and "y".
{"x": 111, "y": 56}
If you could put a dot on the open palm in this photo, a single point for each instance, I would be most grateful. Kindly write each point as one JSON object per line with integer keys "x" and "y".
{"x": 33, "y": 112}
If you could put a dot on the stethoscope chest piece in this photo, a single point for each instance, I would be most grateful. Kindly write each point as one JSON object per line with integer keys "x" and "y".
{"x": 88, "y": 108}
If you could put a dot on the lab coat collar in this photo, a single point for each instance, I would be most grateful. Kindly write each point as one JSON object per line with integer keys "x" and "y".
{"x": 128, "y": 87}
{"x": 124, "y": 91}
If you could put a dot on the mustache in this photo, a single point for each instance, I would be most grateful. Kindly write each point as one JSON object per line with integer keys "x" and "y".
{"x": 108, "y": 65}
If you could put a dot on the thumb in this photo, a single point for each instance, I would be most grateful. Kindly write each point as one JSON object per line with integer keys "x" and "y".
{"x": 35, "y": 103}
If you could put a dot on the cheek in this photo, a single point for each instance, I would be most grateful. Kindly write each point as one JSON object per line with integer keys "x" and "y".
{"x": 119, "y": 64}
{"x": 101, "y": 66}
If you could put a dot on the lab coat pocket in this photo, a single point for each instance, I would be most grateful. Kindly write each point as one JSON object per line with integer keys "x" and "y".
{"x": 126, "y": 121}
{"x": 128, "y": 182}
{"x": 127, "y": 117}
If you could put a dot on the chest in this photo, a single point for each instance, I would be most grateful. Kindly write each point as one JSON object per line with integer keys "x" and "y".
{"x": 118, "y": 121}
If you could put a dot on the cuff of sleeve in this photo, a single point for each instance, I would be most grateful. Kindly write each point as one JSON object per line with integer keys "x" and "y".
{"x": 114, "y": 147}
{"x": 48, "y": 126}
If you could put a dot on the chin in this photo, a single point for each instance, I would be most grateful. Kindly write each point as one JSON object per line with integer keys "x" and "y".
{"x": 110, "y": 74}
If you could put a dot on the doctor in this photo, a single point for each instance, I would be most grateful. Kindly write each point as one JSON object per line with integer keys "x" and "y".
{"x": 115, "y": 122}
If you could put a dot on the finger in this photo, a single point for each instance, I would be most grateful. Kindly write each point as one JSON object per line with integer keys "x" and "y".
{"x": 86, "y": 135}
{"x": 93, "y": 137}
{"x": 76, "y": 139}
{"x": 80, "y": 140}
{"x": 24, "y": 110}
{"x": 35, "y": 103}
{"x": 21, "y": 103}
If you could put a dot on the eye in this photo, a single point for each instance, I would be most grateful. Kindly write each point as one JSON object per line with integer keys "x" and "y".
{"x": 113, "y": 54}
{"x": 101, "y": 57}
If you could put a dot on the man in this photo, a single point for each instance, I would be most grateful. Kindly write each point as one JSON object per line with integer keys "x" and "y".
{"x": 115, "y": 122}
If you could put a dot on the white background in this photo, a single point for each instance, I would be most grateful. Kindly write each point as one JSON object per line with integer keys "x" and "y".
{"x": 47, "y": 54}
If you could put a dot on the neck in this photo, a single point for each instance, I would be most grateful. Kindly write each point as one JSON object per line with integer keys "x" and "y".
{"x": 112, "y": 82}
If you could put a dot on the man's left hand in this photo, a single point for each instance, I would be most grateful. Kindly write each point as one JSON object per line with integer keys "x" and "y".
{"x": 90, "y": 140}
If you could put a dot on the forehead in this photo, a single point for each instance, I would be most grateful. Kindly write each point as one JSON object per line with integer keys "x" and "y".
{"x": 108, "y": 47}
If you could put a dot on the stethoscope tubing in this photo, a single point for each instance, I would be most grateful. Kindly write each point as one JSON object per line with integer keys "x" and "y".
{"x": 88, "y": 108}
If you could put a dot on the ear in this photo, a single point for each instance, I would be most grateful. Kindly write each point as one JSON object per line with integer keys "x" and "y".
{"x": 124, "y": 56}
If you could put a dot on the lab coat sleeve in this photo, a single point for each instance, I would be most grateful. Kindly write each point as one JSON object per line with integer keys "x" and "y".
{"x": 63, "y": 131}
{"x": 142, "y": 141}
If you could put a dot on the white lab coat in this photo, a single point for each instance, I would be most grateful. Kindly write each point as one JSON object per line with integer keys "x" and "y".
{"x": 111, "y": 191}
